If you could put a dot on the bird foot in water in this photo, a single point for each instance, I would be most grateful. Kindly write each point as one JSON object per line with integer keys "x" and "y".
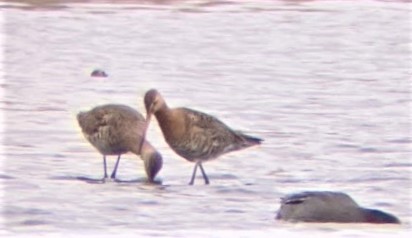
{"x": 154, "y": 182}
{"x": 107, "y": 179}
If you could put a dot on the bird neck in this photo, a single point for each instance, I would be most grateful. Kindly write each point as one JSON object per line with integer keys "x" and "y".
{"x": 163, "y": 114}
{"x": 172, "y": 123}
{"x": 163, "y": 107}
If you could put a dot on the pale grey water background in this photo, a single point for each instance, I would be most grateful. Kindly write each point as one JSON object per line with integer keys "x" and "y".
{"x": 326, "y": 84}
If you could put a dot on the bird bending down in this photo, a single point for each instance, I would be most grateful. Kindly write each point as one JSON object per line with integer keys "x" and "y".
{"x": 324, "y": 206}
{"x": 195, "y": 136}
{"x": 118, "y": 129}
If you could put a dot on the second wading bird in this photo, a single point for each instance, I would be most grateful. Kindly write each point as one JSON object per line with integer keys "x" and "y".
{"x": 194, "y": 135}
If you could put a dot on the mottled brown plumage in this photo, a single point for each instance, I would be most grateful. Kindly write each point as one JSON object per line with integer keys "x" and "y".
{"x": 118, "y": 129}
{"x": 194, "y": 135}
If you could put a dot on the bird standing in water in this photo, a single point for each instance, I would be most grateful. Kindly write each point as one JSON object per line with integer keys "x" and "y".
{"x": 118, "y": 129}
{"x": 194, "y": 135}
{"x": 325, "y": 206}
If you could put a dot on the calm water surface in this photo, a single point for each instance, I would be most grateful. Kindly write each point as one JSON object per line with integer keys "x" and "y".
{"x": 326, "y": 84}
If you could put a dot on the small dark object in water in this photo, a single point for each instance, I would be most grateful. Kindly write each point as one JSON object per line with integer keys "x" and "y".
{"x": 327, "y": 206}
{"x": 98, "y": 73}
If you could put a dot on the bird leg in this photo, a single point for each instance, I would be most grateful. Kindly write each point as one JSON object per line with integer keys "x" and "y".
{"x": 104, "y": 167}
{"x": 113, "y": 176}
{"x": 194, "y": 174}
{"x": 203, "y": 173}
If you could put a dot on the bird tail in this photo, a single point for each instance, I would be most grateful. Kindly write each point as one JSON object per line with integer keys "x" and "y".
{"x": 251, "y": 140}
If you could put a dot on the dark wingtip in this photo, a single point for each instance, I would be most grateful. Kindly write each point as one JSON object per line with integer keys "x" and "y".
{"x": 377, "y": 216}
{"x": 253, "y": 140}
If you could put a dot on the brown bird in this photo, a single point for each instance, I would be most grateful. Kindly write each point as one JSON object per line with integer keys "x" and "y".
{"x": 195, "y": 136}
{"x": 118, "y": 129}
{"x": 324, "y": 206}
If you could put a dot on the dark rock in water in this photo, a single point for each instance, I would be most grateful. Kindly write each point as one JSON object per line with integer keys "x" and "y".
{"x": 324, "y": 206}
{"x": 98, "y": 73}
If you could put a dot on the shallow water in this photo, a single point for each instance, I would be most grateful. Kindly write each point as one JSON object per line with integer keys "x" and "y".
{"x": 325, "y": 84}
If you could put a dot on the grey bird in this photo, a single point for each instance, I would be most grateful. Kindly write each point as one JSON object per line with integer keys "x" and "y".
{"x": 325, "y": 206}
{"x": 195, "y": 136}
{"x": 115, "y": 129}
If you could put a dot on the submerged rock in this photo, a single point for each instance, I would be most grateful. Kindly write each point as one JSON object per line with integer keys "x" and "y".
{"x": 98, "y": 73}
